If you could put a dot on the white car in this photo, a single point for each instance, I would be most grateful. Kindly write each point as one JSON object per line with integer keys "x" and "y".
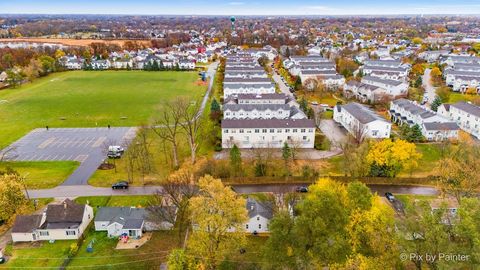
{"x": 314, "y": 103}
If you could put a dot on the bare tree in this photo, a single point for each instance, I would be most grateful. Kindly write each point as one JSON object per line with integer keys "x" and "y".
{"x": 191, "y": 122}
{"x": 142, "y": 153}
{"x": 167, "y": 127}
{"x": 176, "y": 191}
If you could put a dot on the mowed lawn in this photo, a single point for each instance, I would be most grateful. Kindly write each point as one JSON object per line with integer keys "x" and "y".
{"x": 91, "y": 98}
{"x": 42, "y": 174}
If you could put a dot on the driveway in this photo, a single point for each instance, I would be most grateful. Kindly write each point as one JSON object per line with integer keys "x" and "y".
{"x": 335, "y": 134}
{"x": 283, "y": 86}
{"x": 429, "y": 88}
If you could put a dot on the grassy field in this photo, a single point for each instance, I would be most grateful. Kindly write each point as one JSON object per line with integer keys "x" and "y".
{"x": 42, "y": 174}
{"x": 38, "y": 255}
{"x": 99, "y": 201}
{"x": 105, "y": 256}
{"x": 91, "y": 98}
{"x": 456, "y": 97}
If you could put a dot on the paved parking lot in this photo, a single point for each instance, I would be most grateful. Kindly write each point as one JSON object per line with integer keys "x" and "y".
{"x": 85, "y": 145}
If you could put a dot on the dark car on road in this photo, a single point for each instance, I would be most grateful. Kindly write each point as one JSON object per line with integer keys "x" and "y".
{"x": 120, "y": 185}
{"x": 301, "y": 189}
{"x": 389, "y": 196}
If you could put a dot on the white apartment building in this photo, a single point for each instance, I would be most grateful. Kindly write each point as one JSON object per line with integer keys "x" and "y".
{"x": 434, "y": 127}
{"x": 361, "y": 121}
{"x": 466, "y": 115}
{"x": 239, "y": 88}
{"x": 268, "y": 133}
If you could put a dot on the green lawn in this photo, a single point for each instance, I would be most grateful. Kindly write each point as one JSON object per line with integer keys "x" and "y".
{"x": 105, "y": 256}
{"x": 91, "y": 98}
{"x": 99, "y": 201}
{"x": 39, "y": 254}
{"x": 42, "y": 174}
{"x": 456, "y": 97}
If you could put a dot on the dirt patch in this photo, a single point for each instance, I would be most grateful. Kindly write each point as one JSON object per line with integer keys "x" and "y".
{"x": 106, "y": 166}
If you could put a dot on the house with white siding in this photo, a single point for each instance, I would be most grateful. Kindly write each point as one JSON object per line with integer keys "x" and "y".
{"x": 359, "y": 120}
{"x": 466, "y": 115}
{"x": 268, "y": 133}
{"x": 64, "y": 221}
{"x": 434, "y": 126}
{"x": 259, "y": 216}
{"x": 243, "y": 88}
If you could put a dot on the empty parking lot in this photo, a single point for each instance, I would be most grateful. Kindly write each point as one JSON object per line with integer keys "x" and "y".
{"x": 85, "y": 145}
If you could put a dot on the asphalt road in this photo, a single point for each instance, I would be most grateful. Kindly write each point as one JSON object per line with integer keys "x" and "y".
{"x": 85, "y": 190}
{"x": 429, "y": 88}
{"x": 283, "y": 86}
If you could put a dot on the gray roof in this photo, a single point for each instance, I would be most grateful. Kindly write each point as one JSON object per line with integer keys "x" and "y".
{"x": 268, "y": 123}
{"x": 133, "y": 224}
{"x": 250, "y": 80}
{"x": 467, "y": 107}
{"x": 413, "y": 108}
{"x": 363, "y": 114}
{"x": 120, "y": 214}
{"x": 383, "y": 62}
{"x": 251, "y": 85}
{"x": 263, "y": 209}
{"x": 259, "y": 107}
{"x": 441, "y": 126}
{"x": 66, "y": 212}
{"x": 380, "y": 80}
{"x": 262, "y": 96}
{"x": 26, "y": 224}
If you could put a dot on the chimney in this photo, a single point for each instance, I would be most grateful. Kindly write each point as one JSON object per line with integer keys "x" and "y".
{"x": 65, "y": 204}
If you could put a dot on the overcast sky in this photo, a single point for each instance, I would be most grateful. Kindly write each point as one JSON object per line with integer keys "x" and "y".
{"x": 241, "y": 7}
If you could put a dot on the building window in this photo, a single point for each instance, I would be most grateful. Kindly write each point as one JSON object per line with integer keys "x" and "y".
{"x": 304, "y": 138}
{"x": 241, "y": 130}
{"x": 303, "y": 130}
{"x": 279, "y": 131}
{"x": 71, "y": 232}
{"x": 257, "y": 130}
{"x": 259, "y": 226}
{"x": 226, "y": 130}
{"x": 43, "y": 233}
{"x": 294, "y": 130}
{"x": 264, "y": 130}
{"x": 258, "y": 218}
{"x": 246, "y": 226}
{"x": 272, "y": 130}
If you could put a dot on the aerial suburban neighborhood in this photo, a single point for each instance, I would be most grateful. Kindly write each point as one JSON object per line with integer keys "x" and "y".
{"x": 242, "y": 135}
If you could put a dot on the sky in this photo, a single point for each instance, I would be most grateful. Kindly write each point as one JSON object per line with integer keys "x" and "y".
{"x": 241, "y": 7}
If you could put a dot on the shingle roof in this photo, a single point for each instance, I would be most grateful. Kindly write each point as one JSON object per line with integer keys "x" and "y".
{"x": 383, "y": 81}
{"x": 263, "y": 209}
{"x": 268, "y": 123}
{"x": 363, "y": 114}
{"x": 66, "y": 212}
{"x": 26, "y": 224}
{"x": 259, "y": 107}
{"x": 441, "y": 126}
{"x": 467, "y": 107}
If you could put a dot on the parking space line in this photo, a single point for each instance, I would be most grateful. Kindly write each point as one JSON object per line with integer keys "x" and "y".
{"x": 46, "y": 142}
{"x": 99, "y": 142}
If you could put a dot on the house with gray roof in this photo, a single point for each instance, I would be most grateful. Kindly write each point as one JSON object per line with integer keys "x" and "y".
{"x": 407, "y": 112}
{"x": 466, "y": 115}
{"x": 64, "y": 221}
{"x": 132, "y": 221}
{"x": 259, "y": 216}
{"x": 361, "y": 121}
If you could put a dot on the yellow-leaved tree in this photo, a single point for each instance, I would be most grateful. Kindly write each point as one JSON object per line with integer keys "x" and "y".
{"x": 12, "y": 199}
{"x": 218, "y": 215}
{"x": 387, "y": 158}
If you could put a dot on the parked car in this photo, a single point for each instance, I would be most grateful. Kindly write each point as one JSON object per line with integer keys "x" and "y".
{"x": 302, "y": 189}
{"x": 323, "y": 105}
{"x": 390, "y": 196}
{"x": 115, "y": 151}
{"x": 314, "y": 103}
{"x": 2, "y": 259}
{"x": 120, "y": 185}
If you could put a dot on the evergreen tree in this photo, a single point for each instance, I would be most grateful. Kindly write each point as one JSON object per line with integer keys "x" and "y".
{"x": 303, "y": 105}
{"x": 436, "y": 103}
{"x": 155, "y": 66}
{"x": 286, "y": 155}
{"x": 215, "y": 111}
{"x": 235, "y": 160}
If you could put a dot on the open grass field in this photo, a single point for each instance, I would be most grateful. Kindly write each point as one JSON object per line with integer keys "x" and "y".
{"x": 38, "y": 255}
{"x": 42, "y": 174}
{"x": 91, "y": 98}
{"x": 105, "y": 256}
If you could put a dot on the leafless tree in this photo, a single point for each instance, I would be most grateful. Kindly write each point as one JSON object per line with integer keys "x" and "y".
{"x": 295, "y": 146}
{"x": 359, "y": 133}
{"x": 167, "y": 127}
{"x": 177, "y": 191}
{"x": 191, "y": 122}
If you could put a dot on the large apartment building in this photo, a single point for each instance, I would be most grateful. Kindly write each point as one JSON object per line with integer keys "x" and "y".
{"x": 434, "y": 126}
{"x": 466, "y": 115}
